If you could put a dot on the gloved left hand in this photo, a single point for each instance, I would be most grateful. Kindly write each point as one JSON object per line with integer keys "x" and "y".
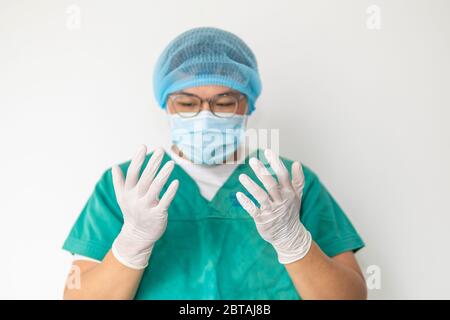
{"x": 278, "y": 217}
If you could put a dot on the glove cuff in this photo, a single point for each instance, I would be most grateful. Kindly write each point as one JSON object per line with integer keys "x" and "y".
{"x": 297, "y": 249}
{"x": 130, "y": 249}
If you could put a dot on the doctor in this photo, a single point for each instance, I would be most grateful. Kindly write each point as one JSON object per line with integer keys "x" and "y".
{"x": 190, "y": 222}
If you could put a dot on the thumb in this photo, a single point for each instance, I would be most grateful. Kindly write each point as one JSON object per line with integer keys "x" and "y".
{"x": 247, "y": 204}
{"x": 298, "y": 178}
{"x": 118, "y": 180}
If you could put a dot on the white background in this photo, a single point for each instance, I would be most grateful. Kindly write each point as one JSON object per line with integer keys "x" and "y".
{"x": 367, "y": 110}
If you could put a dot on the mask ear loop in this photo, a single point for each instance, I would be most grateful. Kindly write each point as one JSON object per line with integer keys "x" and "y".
{"x": 243, "y": 149}
{"x": 173, "y": 146}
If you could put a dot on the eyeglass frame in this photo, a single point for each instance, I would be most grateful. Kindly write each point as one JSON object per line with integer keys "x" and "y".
{"x": 214, "y": 98}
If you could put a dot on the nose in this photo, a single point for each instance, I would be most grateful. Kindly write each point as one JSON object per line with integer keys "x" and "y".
{"x": 205, "y": 106}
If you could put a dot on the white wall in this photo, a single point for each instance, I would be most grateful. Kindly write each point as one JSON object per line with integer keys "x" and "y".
{"x": 367, "y": 109}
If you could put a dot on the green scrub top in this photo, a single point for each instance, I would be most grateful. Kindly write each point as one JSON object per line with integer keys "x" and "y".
{"x": 211, "y": 249}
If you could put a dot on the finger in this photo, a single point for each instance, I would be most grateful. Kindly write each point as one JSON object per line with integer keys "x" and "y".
{"x": 168, "y": 196}
{"x": 266, "y": 178}
{"x": 247, "y": 204}
{"x": 150, "y": 171}
{"x": 135, "y": 167}
{"x": 298, "y": 178}
{"x": 159, "y": 182}
{"x": 255, "y": 190}
{"x": 118, "y": 180}
{"x": 279, "y": 168}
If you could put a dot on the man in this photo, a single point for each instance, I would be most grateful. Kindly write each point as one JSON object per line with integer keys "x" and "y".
{"x": 188, "y": 223}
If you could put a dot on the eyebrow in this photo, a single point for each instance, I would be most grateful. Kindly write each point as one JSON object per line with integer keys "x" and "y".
{"x": 192, "y": 94}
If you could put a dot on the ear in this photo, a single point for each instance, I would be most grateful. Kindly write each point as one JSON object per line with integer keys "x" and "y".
{"x": 247, "y": 109}
{"x": 169, "y": 107}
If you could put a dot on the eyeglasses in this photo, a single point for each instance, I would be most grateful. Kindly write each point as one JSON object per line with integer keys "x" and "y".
{"x": 223, "y": 105}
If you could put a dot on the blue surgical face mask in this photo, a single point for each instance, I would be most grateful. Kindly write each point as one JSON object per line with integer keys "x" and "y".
{"x": 205, "y": 138}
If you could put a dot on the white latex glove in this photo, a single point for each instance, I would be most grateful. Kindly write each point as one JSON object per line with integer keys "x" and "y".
{"x": 144, "y": 215}
{"x": 278, "y": 217}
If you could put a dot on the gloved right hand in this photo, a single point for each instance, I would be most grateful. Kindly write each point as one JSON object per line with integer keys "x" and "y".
{"x": 144, "y": 215}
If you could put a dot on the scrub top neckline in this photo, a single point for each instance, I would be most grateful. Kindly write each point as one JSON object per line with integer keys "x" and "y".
{"x": 224, "y": 185}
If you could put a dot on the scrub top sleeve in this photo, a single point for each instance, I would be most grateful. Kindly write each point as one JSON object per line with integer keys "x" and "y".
{"x": 323, "y": 217}
{"x": 98, "y": 224}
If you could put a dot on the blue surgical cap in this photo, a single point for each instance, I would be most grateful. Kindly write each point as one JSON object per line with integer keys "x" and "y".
{"x": 206, "y": 56}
